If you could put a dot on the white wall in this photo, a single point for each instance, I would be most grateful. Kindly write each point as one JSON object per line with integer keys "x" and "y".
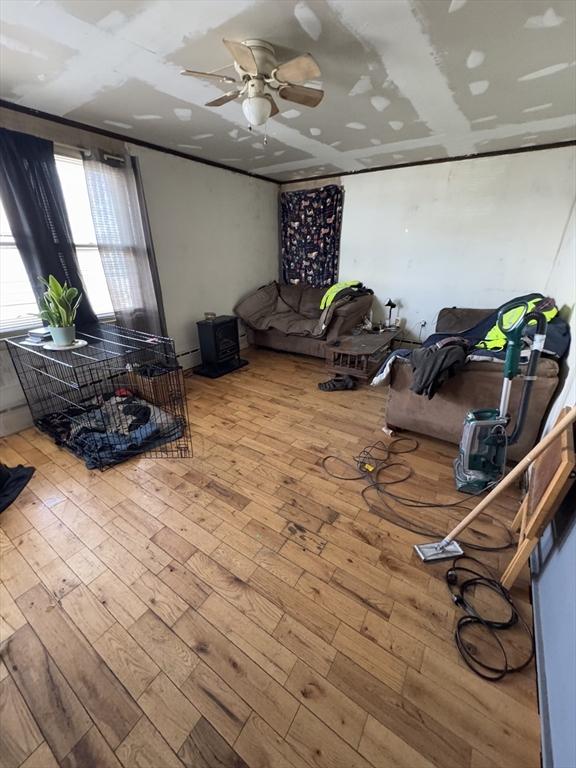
{"x": 469, "y": 234}
{"x": 562, "y": 282}
{"x": 215, "y": 235}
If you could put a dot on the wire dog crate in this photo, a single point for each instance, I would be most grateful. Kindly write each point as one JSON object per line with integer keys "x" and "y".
{"x": 118, "y": 395}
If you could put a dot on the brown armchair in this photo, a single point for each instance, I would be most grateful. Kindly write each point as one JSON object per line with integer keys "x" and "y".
{"x": 477, "y": 385}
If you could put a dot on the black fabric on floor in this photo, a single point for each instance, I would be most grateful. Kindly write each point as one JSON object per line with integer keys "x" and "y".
{"x": 12, "y": 482}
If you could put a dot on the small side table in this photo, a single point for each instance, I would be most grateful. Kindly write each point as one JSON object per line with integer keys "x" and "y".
{"x": 359, "y": 356}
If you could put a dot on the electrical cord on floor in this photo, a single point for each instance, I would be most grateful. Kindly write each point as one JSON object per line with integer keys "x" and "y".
{"x": 462, "y": 580}
{"x": 374, "y": 460}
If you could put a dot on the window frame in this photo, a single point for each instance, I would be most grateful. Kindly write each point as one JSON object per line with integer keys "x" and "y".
{"x": 65, "y": 151}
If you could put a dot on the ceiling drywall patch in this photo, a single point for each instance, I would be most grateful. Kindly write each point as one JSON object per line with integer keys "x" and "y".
{"x": 291, "y": 114}
{"x": 116, "y": 124}
{"x": 506, "y": 131}
{"x": 538, "y": 107}
{"x": 552, "y": 70}
{"x": 136, "y": 50}
{"x": 356, "y": 126}
{"x": 456, "y": 5}
{"x": 380, "y": 103}
{"x": 258, "y": 145}
{"x": 548, "y": 19}
{"x": 475, "y": 59}
{"x": 233, "y": 133}
{"x": 376, "y": 142}
{"x": 308, "y": 20}
{"x": 279, "y": 152}
{"x": 410, "y": 61}
{"x": 396, "y": 125}
{"x": 315, "y": 132}
{"x": 190, "y": 146}
{"x": 200, "y": 136}
{"x": 361, "y": 86}
{"x": 112, "y": 20}
{"x": 147, "y": 117}
{"x": 486, "y": 119}
{"x": 335, "y": 143}
{"x": 479, "y": 87}
{"x": 19, "y": 47}
{"x": 183, "y": 114}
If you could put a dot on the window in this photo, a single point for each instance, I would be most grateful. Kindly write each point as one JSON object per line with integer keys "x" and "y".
{"x": 18, "y": 309}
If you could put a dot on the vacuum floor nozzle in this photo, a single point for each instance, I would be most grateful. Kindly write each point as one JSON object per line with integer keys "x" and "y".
{"x": 438, "y": 550}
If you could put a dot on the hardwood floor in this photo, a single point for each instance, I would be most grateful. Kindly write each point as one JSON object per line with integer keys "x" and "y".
{"x": 241, "y": 607}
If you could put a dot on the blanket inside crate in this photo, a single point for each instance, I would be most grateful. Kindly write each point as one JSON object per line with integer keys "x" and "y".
{"x": 109, "y": 430}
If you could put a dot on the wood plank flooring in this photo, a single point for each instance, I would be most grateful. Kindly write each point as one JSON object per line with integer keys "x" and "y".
{"x": 242, "y": 608}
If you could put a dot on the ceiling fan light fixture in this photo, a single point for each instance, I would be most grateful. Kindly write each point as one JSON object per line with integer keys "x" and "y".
{"x": 256, "y": 109}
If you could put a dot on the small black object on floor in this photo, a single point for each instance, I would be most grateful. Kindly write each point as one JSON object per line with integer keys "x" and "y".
{"x": 12, "y": 483}
{"x": 219, "y": 347}
{"x": 337, "y": 384}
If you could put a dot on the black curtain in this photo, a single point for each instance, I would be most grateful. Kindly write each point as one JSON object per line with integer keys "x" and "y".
{"x": 36, "y": 212}
{"x": 310, "y": 224}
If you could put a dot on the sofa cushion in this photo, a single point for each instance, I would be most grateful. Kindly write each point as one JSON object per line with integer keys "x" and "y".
{"x": 258, "y": 305}
{"x": 288, "y": 296}
{"x": 310, "y": 302}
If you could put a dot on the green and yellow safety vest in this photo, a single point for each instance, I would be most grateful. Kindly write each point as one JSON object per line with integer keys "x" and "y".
{"x": 334, "y": 290}
{"x": 496, "y": 339}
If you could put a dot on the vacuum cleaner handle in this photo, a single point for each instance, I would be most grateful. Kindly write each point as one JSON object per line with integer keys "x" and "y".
{"x": 532, "y": 372}
{"x": 513, "y": 333}
{"x": 508, "y": 307}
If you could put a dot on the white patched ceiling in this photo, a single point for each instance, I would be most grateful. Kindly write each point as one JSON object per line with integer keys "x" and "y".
{"x": 405, "y": 80}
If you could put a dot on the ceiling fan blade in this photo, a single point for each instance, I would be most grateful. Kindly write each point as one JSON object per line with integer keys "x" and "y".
{"x": 298, "y": 70}
{"x": 208, "y": 75}
{"x": 224, "y": 99}
{"x": 242, "y": 55}
{"x": 275, "y": 109}
{"x": 308, "y": 97}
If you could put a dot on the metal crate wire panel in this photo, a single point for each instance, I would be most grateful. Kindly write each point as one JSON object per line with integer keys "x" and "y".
{"x": 121, "y": 395}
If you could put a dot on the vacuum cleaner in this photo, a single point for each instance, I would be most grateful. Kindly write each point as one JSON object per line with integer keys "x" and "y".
{"x": 481, "y": 460}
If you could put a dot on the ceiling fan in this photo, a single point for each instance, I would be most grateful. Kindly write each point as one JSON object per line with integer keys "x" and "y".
{"x": 259, "y": 72}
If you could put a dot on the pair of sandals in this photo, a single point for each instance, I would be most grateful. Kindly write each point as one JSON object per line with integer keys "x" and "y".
{"x": 337, "y": 384}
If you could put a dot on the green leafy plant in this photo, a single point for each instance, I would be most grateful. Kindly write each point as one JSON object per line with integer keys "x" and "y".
{"x": 59, "y": 304}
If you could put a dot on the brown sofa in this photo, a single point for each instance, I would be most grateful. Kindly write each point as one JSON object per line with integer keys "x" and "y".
{"x": 289, "y": 318}
{"x": 477, "y": 385}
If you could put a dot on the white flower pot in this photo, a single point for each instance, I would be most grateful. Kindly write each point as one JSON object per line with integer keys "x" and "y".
{"x": 63, "y": 337}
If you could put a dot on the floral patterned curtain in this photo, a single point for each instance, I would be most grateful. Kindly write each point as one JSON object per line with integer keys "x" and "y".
{"x": 311, "y": 221}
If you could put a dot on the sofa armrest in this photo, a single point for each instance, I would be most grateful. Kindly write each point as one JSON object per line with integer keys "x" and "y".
{"x": 348, "y": 316}
{"x": 358, "y": 306}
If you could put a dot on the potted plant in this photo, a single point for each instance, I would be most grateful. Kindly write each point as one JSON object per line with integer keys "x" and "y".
{"x": 58, "y": 307}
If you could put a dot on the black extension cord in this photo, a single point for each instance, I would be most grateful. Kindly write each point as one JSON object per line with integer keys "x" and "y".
{"x": 460, "y": 580}
{"x": 374, "y": 460}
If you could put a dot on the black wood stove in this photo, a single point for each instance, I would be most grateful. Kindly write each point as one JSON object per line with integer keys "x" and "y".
{"x": 219, "y": 346}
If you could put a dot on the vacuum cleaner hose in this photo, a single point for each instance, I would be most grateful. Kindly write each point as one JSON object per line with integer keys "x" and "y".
{"x": 531, "y": 373}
